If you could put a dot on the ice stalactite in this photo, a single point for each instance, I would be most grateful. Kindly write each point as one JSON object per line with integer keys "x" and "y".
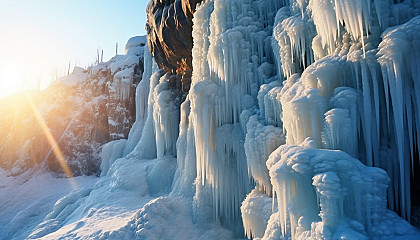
{"x": 146, "y": 146}
{"x": 166, "y": 116}
{"x": 260, "y": 141}
{"x": 161, "y": 127}
{"x": 256, "y": 211}
{"x": 342, "y": 120}
{"x": 186, "y": 155}
{"x": 142, "y": 95}
{"x": 228, "y": 69}
{"x": 317, "y": 190}
{"x": 269, "y": 104}
{"x": 399, "y": 54}
{"x": 353, "y": 98}
{"x": 292, "y": 38}
{"x": 264, "y": 134}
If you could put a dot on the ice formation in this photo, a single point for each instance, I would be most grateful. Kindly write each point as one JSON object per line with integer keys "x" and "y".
{"x": 301, "y": 123}
{"x": 317, "y": 188}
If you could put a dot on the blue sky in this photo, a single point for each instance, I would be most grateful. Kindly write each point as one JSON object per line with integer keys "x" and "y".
{"x": 39, "y": 37}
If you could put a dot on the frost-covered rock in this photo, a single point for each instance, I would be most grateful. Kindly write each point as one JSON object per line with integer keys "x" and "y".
{"x": 81, "y": 112}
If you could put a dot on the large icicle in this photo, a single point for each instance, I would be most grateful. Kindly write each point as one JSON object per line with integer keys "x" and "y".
{"x": 399, "y": 58}
{"x": 142, "y": 95}
{"x": 232, "y": 56}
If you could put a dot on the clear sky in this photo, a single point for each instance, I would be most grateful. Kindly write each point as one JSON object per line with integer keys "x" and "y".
{"x": 39, "y": 37}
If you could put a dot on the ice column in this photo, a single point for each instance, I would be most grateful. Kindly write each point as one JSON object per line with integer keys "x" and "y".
{"x": 399, "y": 54}
{"x": 232, "y": 56}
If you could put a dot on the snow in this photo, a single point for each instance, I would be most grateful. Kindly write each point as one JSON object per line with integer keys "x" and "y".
{"x": 301, "y": 123}
{"x": 78, "y": 76}
{"x": 135, "y": 42}
{"x": 26, "y": 199}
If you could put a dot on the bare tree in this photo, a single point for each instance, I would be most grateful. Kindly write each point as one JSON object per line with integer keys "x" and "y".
{"x": 68, "y": 69}
{"x": 97, "y": 52}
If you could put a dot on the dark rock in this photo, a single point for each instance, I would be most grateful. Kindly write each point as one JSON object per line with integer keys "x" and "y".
{"x": 169, "y": 35}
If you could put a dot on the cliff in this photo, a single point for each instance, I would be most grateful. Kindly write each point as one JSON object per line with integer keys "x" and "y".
{"x": 81, "y": 112}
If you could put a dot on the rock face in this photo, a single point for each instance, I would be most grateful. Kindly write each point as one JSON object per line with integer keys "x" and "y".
{"x": 169, "y": 35}
{"x": 82, "y": 111}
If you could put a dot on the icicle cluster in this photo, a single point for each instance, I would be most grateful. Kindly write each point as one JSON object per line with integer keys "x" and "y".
{"x": 260, "y": 141}
{"x": 292, "y": 37}
{"x": 328, "y": 187}
{"x": 340, "y": 93}
{"x": 399, "y": 54}
{"x": 256, "y": 211}
{"x": 228, "y": 69}
{"x": 359, "y": 97}
{"x": 142, "y": 96}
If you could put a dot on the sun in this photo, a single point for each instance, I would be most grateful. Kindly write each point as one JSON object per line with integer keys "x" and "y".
{"x": 12, "y": 80}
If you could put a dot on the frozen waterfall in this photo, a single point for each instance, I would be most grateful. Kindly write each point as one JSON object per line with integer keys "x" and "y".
{"x": 345, "y": 89}
{"x": 302, "y": 122}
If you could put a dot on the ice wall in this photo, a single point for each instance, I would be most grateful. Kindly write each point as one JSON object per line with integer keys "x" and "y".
{"x": 345, "y": 89}
{"x": 379, "y": 111}
{"x": 332, "y": 98}
{"x": 232, "y": 57}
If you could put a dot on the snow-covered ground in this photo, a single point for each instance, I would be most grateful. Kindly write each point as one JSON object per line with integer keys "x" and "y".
{"x": 26, "y": 199}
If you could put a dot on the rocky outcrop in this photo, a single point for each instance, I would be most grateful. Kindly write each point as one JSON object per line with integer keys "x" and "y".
{"x": 81, "y": 111}
{"x": 169, "y": 35}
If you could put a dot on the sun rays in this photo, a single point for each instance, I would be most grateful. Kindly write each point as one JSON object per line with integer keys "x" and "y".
{"x": 51, "y": 140}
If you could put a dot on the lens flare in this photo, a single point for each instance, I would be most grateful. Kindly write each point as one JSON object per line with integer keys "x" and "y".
{"x": 51, "y": 140}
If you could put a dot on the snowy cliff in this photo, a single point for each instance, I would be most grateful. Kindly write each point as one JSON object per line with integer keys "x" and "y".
{"x": 81, "y": 111}
{"x": 302, "y": 122}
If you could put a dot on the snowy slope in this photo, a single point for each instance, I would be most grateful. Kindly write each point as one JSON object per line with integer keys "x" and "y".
{"x": 26, "y": 199}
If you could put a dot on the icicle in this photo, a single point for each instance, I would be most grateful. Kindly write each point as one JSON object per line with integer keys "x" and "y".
{"x": 142, "y": 95}
{"x": 393, "y": 50}
{"x": 256, "y": 211}
{"x": 260, "y": 141}
{"x": 341, "y": 185}
{"x": 229, "y": 61}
